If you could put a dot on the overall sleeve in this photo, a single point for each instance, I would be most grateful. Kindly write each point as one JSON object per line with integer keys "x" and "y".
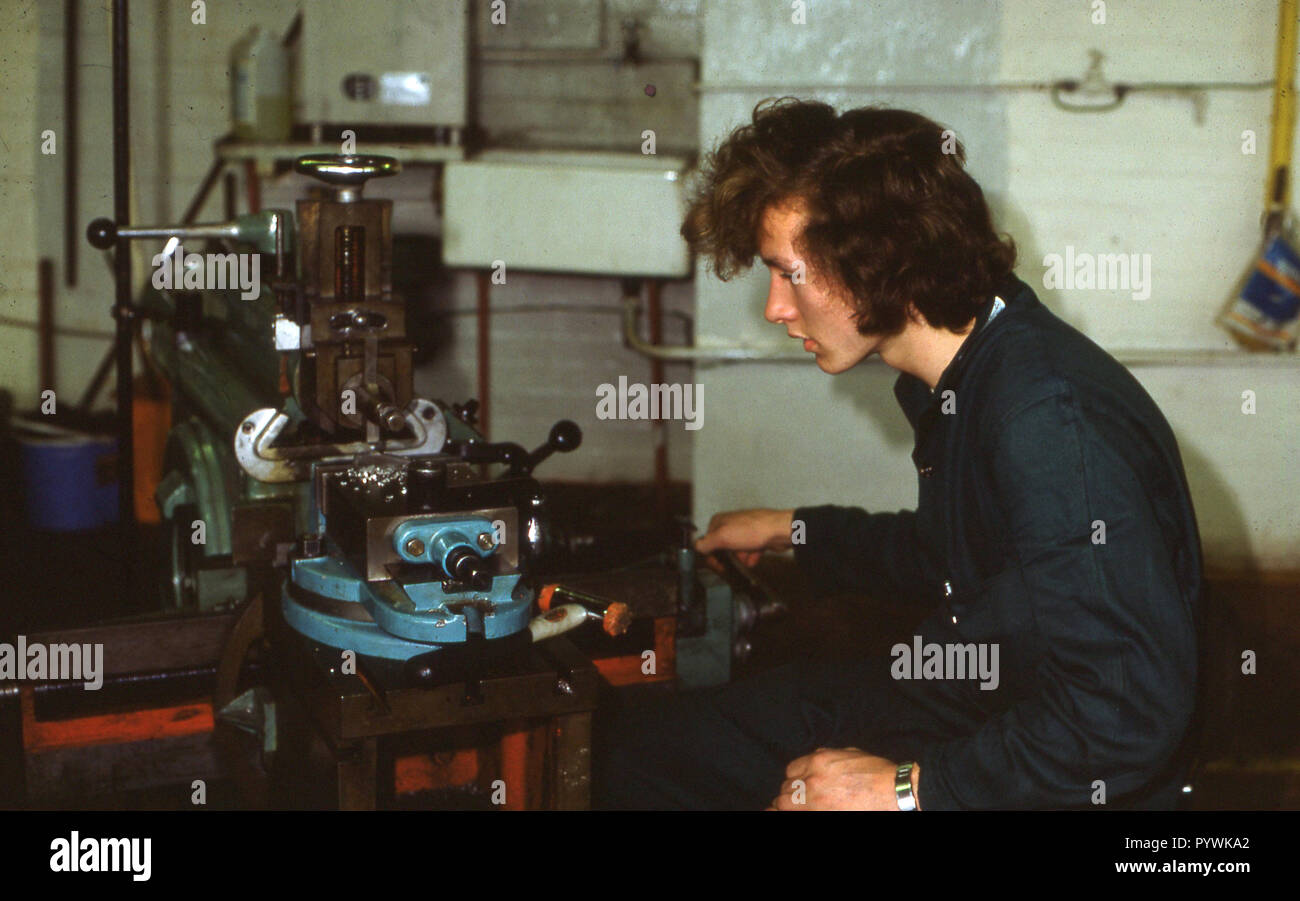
{"x": 849, "y": 549}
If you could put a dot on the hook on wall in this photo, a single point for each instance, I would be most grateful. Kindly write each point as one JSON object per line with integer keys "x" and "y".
{"x": 1094, "y": 93}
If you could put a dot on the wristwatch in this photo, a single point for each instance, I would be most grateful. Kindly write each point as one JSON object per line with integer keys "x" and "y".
{"x": 903, "y": 786}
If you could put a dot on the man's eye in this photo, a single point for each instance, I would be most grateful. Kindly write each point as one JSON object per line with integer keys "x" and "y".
{"x": 788, "y": 276}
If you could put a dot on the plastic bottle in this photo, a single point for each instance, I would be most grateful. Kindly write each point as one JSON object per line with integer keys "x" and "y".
{"x": 259, "y": 87}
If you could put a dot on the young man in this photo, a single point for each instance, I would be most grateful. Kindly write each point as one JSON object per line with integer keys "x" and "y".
{"x": 1053, "y": 537}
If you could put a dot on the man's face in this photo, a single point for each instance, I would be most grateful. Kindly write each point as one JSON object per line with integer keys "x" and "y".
{"x": 809, "y": 311}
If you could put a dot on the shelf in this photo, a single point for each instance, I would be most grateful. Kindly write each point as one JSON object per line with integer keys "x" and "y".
{"x": 276, "y": 151}
{"x": 1174, "y": 357}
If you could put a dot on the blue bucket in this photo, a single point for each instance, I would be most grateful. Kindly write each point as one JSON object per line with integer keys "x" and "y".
{"x": 70, "y": 483}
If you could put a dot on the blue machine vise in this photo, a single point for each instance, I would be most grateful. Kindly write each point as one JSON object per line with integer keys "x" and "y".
{"x": 414, "y": 554}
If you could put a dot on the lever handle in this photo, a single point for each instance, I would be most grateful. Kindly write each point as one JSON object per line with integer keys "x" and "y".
{"x": 258, "y": 229}
{"x": 565, "y": 436}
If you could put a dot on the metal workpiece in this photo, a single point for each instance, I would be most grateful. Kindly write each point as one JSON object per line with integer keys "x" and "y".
{"x": 262, "y": 458}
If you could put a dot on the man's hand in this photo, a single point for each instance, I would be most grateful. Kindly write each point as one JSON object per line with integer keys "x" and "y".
{"x": 841, "y": 779}
{"x": 749, "y": 533}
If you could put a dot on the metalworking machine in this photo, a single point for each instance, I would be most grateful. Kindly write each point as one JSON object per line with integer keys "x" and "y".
{"x": 309, "y": 467}
{"x": 397, "y": 541}
{"x": 313, "y": 497}
{"x": 304, "y": 474}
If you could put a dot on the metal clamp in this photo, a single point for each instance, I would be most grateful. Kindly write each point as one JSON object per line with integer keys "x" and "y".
{"x": 259, "y": 457}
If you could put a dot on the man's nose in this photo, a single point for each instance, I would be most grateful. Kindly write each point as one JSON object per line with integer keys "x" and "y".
{"x": 780, "y": 307}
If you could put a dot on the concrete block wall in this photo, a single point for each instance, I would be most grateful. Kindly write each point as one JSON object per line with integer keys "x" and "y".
{"x": 1148, "y": 178}
{"x": 1153, "y": 177}
{"x": 546, "y": 365}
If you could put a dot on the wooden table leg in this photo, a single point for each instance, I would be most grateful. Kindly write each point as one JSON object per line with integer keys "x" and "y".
{"x": 571, "y": 761}
{"x": 357, "y": 766}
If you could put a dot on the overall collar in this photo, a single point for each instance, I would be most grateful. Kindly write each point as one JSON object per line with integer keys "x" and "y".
{"x": 915, "y": 397}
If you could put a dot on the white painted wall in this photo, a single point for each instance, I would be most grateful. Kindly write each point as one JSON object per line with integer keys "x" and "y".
{"x": 19, "y": 140}
{"x": 1147, "y": 178}
{"x": 546, "y": 365}
{"x": 179, "y": 106}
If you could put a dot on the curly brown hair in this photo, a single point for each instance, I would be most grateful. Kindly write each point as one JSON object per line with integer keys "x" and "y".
{"x": 893, "y": 219}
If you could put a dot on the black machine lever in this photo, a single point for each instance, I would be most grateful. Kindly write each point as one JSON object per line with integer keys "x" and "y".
{"x": 565, "y": 436}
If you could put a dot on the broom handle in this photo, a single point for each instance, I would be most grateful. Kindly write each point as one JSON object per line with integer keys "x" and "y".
{"x": 1278, "y": 196}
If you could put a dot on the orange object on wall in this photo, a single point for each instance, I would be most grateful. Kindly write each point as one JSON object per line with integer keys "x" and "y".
{"x": 151, "y": 419}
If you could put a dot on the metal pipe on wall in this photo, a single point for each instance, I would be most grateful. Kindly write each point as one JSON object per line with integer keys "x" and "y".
{"x": 45, "y": 320}
{"x": 123, "y": 312}
{"x": 71, "y": 230}
{"x": 484, "y": 354}
{"x": 654, "y": 313}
